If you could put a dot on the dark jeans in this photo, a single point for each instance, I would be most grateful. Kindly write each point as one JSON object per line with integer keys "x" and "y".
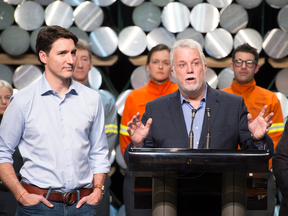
{"x": 59, "y": 209}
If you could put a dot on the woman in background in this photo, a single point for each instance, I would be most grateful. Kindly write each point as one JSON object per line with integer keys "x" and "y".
{"x": 8, "y": 203}
{"x": 158, "y": 65}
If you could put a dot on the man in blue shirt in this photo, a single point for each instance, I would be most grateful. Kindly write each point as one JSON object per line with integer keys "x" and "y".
{"x": 59, "y": 127}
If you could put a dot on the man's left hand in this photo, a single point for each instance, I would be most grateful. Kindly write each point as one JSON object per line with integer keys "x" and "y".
{"x": 259, "y": 126}
{"x": 93, "y": 199}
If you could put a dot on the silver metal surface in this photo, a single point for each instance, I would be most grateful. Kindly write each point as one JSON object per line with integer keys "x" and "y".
{"x": 132, "y": 41}
{"x": 160, "y": 36}
{"x": 6, "y": 73}
{"x": 281, "y": 81}
{"x": 104, "y": 3}
{"x": 103, "y": 41}
{"x": 147, "y": 16}
{"x": 233, "y": 18}
{"x": 33, "y": 38}
{"x": 11, "y": 43}
{"x": 220, "y": 3}
{"x": 204, "y": 17}
{"x": 250, "y": 36}
{"x": 139, "y": 77}
{"x": 25, "y": 75}
{"x": 191, "y": 3}
{"x": 14, "y": 2}
{"x": 283, "y": 101}
{"x": 282, "y": 18}
{"x": 59, "y": 13}
{"x": 175, "y": 17}
{"x": 191, "y": 33}
{"x": 88, "y": 16}
{"x": 120, "y": 101}
{"x": 29, "y": 15}
{"x": 161, "y": 3}
{"x": 248, "y": 4}
{"x": 132, "y": 3}
{"x": 6, "y": 15}
{"x": 275, "y": 43}
{"x": 95, "y": 77}
{"x": 218, "y": 43}
{"x": 44, "y": 2}
{"x": 211, "y": 78}
{"x": 277, "y": 3}
{"x": 79, "y": 33}
{"x": 225, "y": 78}
{"x": 74, "y": 2}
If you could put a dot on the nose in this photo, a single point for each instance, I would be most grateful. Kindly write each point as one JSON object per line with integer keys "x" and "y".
{"x": 243, "y": 64}
{"x": 160, "y": 65}
{"x": 79, "y": 63}
{"x": 190, "y": 68}
{"x": 71, "y": 59}
{"x": 3, "y": 100}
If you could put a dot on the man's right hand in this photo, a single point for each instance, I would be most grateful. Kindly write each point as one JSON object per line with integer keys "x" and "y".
{"x": 137, "y": 131}
{"x": 32, "y": 199}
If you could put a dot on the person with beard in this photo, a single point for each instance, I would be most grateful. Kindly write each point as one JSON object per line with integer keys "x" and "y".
{"x": 167, "y": 120}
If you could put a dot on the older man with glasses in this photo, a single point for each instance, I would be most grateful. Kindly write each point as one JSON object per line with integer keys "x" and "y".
{"x": 245, "y": 66}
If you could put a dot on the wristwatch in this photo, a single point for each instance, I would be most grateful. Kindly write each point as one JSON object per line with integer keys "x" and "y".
{"x": 102, "y": 187}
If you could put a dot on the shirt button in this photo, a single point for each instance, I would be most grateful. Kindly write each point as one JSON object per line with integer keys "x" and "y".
{"x": 64, "y": 133}
{"x": 67, "y": 148}
{"x": 68, "y": 164}
{"x": 62, "y": 118}
{"x": 197, "y": 142}
{"x": 69, "y": 180}
{"x": 196, "y": 127}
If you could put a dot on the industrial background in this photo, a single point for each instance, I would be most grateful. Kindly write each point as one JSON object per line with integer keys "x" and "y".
{"x": 120, "y": 33}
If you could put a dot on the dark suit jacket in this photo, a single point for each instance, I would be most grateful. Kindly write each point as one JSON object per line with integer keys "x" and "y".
{"x": 280, "y": 169}
{"x": 229, "y": 124}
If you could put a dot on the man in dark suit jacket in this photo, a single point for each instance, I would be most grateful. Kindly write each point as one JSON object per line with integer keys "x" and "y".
{"x": 230, "y": 123}
{"x": 280, "y": 169}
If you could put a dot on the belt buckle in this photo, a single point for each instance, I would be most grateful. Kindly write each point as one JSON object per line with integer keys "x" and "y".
{"x": 66, "y": 196}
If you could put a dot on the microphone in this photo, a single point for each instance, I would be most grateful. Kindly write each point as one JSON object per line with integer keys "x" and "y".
{"x": 208, "y": 136}
{"x": 191, "y": 134}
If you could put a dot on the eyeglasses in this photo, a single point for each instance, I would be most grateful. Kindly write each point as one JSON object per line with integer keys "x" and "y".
{"x": 249, "y": 63}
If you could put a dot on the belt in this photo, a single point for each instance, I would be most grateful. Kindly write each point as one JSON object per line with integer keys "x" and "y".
{"x": 67, "y": 198}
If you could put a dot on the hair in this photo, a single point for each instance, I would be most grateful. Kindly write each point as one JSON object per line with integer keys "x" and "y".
{"x": 4, "y": 83}
{"x": 247, "y": 49}
{"x": 83, "y": 45}
{"x": 189, "y": 43}
{"x": 47, "y": 36}
{"x": 156, "y": 48}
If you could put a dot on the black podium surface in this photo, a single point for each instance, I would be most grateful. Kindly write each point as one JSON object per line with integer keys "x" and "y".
{"x": 198, "y": 160}
{"x": 163, "y": 166}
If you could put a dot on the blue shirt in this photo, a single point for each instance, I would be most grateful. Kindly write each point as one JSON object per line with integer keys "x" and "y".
{"x": 62, "y": 141}
{"x": 198, "y": 119}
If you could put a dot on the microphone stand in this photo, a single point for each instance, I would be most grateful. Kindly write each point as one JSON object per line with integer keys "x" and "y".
{"x": 191, "y": 134}
{"x": 208, "y": 137}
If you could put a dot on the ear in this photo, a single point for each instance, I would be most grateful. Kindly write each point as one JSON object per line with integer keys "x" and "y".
{"x": 147, "y": 68}
{"x": 232, "y": 66}
{"x": 257, "y": 68}
{"x": 43, "y": 57}
{"x": 172, "y": 72}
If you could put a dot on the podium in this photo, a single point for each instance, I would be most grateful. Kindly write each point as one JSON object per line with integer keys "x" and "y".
{"x": 163, "y": 166}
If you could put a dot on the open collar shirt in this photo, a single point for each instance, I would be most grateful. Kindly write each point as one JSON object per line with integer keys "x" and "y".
{"x": 198, "y": 119}
{"x": 62, "y": 140}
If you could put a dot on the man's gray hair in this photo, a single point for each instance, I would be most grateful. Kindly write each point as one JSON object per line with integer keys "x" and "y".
{"x": 189, "y": 43}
